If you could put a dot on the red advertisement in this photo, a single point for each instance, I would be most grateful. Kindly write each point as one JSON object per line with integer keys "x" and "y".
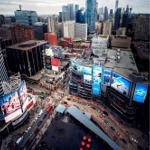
{"x": 55, "y": 61}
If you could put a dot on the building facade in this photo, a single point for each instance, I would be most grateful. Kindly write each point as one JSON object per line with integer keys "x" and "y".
{"x": 52, "y": 24}
{"x": 107, "y": 26}
{"x": 80, "y": 16}
{"x": 25, "y": 17}
{"x": 26, "y": 57}
{"x": 117, "y": 19}
{"x": 90, "y": 15}
{"x": 65, "y": 13}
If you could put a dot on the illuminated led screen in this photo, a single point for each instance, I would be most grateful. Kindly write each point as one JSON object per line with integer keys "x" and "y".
{"x": 106, "y": 76}
{"x": 87, "y": 79}
{"x": 121, "y": 84}
{"x": 96, "y": 75}
{"x": 140, "y": 93}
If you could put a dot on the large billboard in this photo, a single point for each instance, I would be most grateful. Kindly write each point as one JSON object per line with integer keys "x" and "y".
{"x": 97, "y": 78}
{"x": 140, "y": 92}
{"x": 106, "y": 76}
{"x": 48, "y": 62}
{"x": 22, "y": 92}
{"x": 53, "y": 51}
{"x": 10, "y": 106}
{"x": 87, "y": 79}
{"x": 55, "y": 62}
{"x": 120, "y": 84}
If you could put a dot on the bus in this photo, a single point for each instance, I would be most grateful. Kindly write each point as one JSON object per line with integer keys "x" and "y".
{"x": 48, "y": 109}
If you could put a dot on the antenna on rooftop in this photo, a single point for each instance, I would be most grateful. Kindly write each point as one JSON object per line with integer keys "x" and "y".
{"x": 19, "y": 7}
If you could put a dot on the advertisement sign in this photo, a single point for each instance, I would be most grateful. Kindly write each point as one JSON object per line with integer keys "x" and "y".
{"x": 140, "y": 92}
{"x": 54, "y": 68}
{"x": 48, "y": 62}
{"x": 22, "y": 92}
{"x": 107, "y": 76}
{"x": 55, "y": 62}
{"x": 120, "y": 84}
{"x": 53, "y": 51}
{"x": 10, "y": 106}
{"x": 97, "y": 78}
{"x": 57, "y": 51}
{"x": 87, "y": 79}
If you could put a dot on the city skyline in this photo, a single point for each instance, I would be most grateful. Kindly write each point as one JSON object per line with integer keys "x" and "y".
{"x": 50, "y": 7}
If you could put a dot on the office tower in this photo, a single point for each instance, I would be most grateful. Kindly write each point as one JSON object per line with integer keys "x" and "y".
{"x": 69, "y": 29}
{"x": 2, "y": 20}
{"x": 116, "y": 5}
{"x": 111, "y": 15}
{"x": 60, "y": 17}
{"x": 81, "y": 31}
{"x": 107, "y": 26}
{"x": 100, "y": 14}
{"x": 71, "y": 11}
{"x": 52, "y": 23}
{"x": 125, "y": 17}
{"x": 90, "y": 15}
{"x": 117, "y": 19}
{"x": 26, "y": 17}
{"x": 105, "y": 14}
{"x": 26, "y": 57}
{"x": 65, "y": 13}
{"x": 21, "y": 33}
{"x": 39, "y": 29}
{"x": 80, "y": 16}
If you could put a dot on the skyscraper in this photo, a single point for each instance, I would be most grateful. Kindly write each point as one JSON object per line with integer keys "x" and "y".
{"x": 105, "y": 14}
{"x": 71, "y": 11}
{"x": 117, "y": 19}
{"x": 26, "y": 17}
{"x": 80, "y": 16}
{"x": 65, "y": 13}
{"x": 90, "y": 15}
{"x": 52, "y": 24}
{"x": 116, "y": 5}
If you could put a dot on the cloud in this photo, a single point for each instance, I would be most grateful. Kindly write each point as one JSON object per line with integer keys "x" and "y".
{"x": 54, "y": 6}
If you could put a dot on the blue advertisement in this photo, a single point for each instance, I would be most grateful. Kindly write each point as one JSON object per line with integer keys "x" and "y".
{"x": 121, "y": 84}
{"x": 97, "y": 78}
{"x": 140, "y": 93}
{"x": 107, "y": 76}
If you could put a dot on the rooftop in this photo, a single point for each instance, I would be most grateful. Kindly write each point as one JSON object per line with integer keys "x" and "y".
{"x": 25, "y": 46}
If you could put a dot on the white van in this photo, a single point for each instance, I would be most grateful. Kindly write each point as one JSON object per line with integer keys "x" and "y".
{"x": 40, "y": 113}
{"x": 19, "y": 140}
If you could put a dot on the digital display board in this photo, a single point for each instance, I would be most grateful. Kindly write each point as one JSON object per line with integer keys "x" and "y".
{"x": 55, "y": 62}
{"x": 120, "y": 84}
{"x": 97, "y": 78}
{"x": 106, "y": 76}
{"x": 22, "y": 92}
{"x": 48, "y": 62}
{"x": 140, "y": 92}
{"x": 10, "y": 106}
{"x": 87, "y": 79}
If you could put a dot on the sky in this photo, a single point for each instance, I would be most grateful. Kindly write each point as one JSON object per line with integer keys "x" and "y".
{"x": 7, "y": 7}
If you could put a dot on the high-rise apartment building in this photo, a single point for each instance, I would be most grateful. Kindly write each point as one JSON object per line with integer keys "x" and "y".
{"x": 90, "y": 15}
{"x": 100, "y": 14}
{"x": 107, "y": 27}
{"x": 81, "y": 30}
{"x": 52, "y": 24}
{"x": 69, "y": 29}
{"x": 26, "y": 17}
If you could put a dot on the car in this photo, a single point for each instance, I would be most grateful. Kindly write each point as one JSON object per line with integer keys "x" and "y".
{"x": 106, "y": 122}
{"x": 31, "y": 133}
{"x": 39, "y": 123}
{"x": 27, "y": 129}
{"x": 112, "y": 128}
{"x": 44, "y": 116}
{"x": 118, "y": 134}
